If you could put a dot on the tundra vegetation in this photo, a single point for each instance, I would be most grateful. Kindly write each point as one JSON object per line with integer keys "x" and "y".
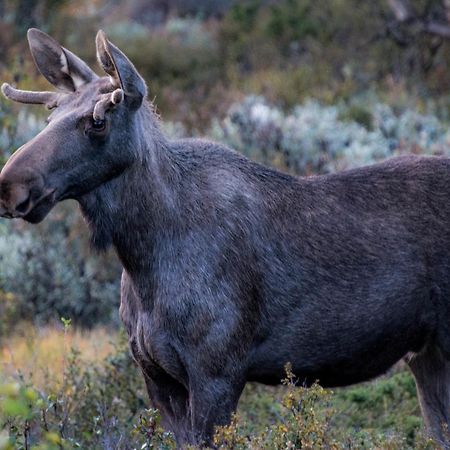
{"x": 284, "y": 84}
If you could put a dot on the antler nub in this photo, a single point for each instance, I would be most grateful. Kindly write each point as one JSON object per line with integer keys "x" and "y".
{"x": 117, "y": 96}
{"x": 34, "y": 98}
{"x": 106, "y": 102}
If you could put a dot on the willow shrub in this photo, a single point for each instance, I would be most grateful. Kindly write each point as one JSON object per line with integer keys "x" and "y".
{"x": 104, "y": 406}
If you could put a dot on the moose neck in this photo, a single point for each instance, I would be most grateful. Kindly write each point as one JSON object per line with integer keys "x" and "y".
{"x": 130, "y": 210}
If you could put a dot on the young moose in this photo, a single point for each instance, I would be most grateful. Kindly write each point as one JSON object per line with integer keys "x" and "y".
{"x": 232, "y": 269}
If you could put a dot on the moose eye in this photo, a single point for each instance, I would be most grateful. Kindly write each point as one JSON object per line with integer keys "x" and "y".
{"x": 95, "y": 128}
{"x": 98, "y": 125}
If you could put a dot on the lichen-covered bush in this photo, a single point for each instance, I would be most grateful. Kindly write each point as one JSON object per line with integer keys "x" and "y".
{"x": 17, "y": 126}
{"x": 49, "y": 272}
{"x": 313, "y": 138}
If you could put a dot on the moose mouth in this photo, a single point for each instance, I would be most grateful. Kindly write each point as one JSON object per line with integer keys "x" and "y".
{"x": 41, "y": 208}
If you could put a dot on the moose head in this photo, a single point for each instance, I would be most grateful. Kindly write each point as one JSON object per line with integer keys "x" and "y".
{"x": 89, "y": 138}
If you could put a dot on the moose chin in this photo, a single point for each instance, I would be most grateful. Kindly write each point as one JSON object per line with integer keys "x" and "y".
{"x": 232, "y": 269}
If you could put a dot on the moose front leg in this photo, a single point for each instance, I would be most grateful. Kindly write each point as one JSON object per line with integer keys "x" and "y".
{"x": 192, "y": 416}
{"x": 171, "y": 398}
{"x": 212, "y": 401}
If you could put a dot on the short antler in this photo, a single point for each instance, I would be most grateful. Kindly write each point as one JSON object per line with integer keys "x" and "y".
{"x": 36, "y": 98}
{"x": 106, "y": 102}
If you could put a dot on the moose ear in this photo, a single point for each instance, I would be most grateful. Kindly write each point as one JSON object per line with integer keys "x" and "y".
{"x": 121, "y": 70}
{"x": 60, "y": 66}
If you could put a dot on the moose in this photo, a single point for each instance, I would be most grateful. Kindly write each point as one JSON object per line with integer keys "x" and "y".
{"x": 232, "y": 269}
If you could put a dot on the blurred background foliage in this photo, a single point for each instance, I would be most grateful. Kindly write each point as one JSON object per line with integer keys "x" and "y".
{"x": 305, "y": 86}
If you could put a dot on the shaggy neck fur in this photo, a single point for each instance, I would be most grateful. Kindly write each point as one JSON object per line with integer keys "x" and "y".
{"x": 128, "y": 210}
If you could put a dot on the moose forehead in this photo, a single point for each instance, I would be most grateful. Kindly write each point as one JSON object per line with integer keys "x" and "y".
{"x": 84, "y": 98}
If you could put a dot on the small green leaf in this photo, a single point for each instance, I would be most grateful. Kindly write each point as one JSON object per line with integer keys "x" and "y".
{"x": 15, "y": 407}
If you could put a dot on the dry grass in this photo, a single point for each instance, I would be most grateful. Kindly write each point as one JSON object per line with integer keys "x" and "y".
{"x": 38, "y": 355}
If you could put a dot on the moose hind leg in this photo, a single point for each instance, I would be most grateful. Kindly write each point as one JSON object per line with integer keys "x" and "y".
{"x": 431, "y": 370}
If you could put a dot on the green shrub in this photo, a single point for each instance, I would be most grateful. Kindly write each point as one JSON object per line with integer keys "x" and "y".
{"x": 104, "y": 405}
{"x": 358, "y": 114}
{"x": 95, "y": 407}
{"x": 180, "y": 56}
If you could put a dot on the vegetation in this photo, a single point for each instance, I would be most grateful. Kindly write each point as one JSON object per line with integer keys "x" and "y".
{"x": 79, "y": 400}
{"x": 305, "y": 86}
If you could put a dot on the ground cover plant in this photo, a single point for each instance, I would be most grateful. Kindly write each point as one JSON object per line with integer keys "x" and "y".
{"x": 82, "y": 400}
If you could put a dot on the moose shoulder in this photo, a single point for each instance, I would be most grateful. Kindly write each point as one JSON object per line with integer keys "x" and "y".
{"x": 232, "y": 269}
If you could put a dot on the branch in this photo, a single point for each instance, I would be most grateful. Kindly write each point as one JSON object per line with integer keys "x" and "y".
{"x": 446, "y": 6}
{"x": 438, "y": 29}
{"x": 402, "y": 10}
{"x": 404, "y": 14}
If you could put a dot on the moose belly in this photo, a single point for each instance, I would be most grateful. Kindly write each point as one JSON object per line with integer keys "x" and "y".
{"x": 339, "y": 349}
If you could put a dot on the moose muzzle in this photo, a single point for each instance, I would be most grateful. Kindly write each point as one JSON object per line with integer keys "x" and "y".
{"x": 22, "y": 190}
